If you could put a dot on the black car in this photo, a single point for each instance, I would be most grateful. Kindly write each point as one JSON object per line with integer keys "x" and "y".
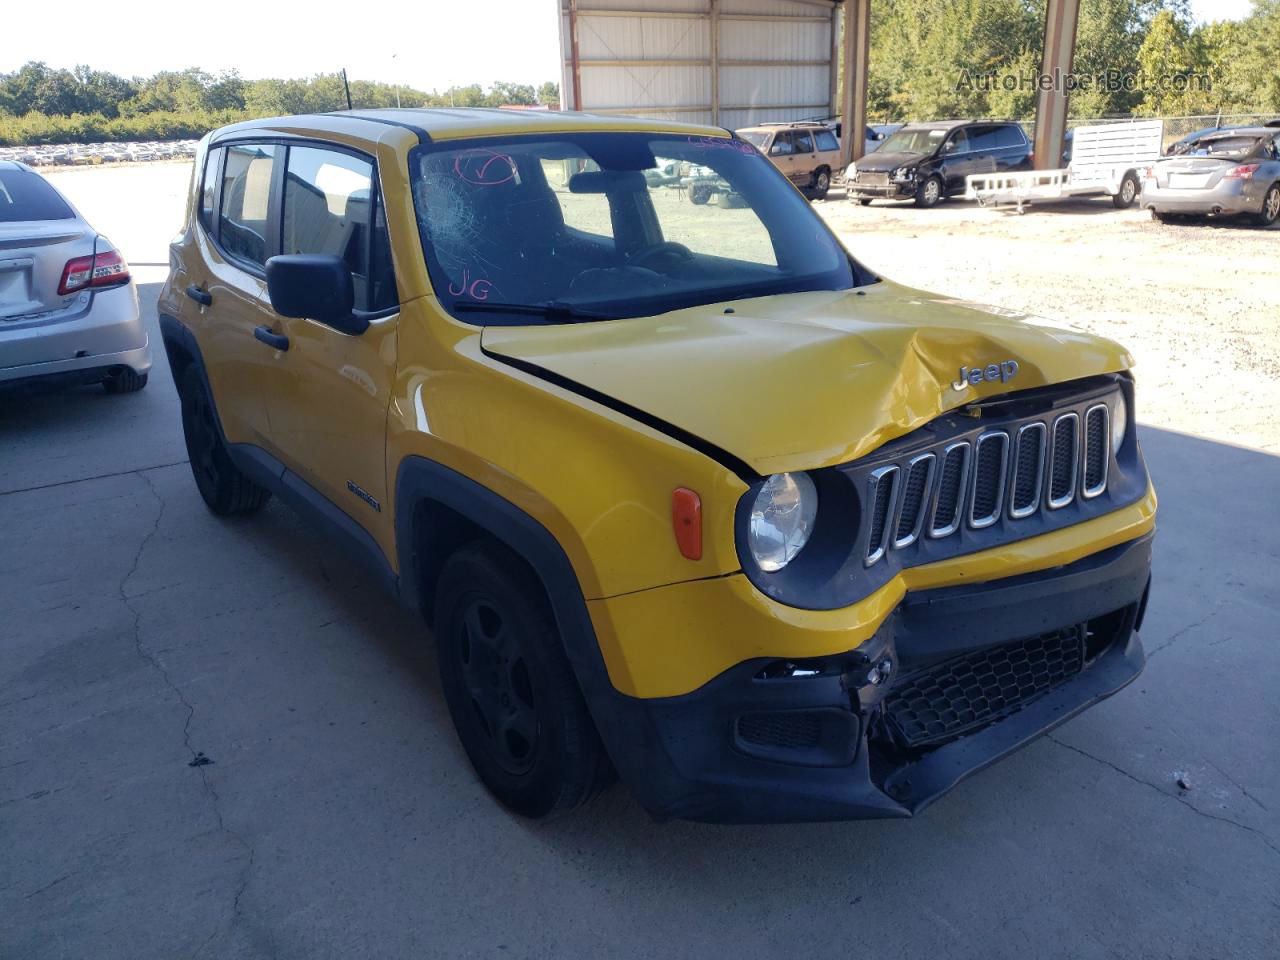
{"x": 928, "y": 162}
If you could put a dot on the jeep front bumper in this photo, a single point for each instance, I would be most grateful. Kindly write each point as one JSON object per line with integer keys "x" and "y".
{"x": 953, "y": 679}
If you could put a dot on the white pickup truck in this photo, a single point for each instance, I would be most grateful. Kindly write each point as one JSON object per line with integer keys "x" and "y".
{"x": 1106, "y": 158}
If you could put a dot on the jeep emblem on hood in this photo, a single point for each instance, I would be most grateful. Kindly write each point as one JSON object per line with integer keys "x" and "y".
{"x": 1004, "y": 372}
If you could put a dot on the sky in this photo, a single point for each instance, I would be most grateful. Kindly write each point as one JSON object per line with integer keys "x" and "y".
{"x": 427, "y": 44}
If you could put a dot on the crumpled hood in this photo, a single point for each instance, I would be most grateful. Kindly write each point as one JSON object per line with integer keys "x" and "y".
{"x": 807, "y": 380}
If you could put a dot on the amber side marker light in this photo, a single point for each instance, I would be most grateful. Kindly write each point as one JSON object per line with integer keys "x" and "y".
{"x": 686, "y": 520}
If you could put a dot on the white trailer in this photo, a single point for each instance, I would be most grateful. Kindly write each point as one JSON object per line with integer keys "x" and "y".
{"x": 1106, "y": 158}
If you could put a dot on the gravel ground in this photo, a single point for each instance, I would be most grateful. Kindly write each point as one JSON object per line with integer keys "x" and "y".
{"x": 1194, "y": 303}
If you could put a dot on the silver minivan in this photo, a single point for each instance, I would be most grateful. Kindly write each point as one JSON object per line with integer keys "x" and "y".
{"x": 68, "y": 307}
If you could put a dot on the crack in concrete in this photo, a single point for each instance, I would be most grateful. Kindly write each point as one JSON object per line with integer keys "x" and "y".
{"x": 154, "y": 661}
{"x": 100, "y": 476}
{"x": 1238, "y": 785}
{"x": 1267, "y": 841}
{"x": 1187, "y": 629}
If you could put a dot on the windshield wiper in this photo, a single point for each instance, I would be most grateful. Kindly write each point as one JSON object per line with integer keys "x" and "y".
{"x": 552, "y": 311}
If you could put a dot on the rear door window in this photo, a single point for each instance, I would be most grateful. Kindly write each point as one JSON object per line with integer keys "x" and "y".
{"x": 331, "y": 207}
{"x": 246, "y": 201}
{"x": 28, "y": 196}
{"x": 804, "y": 142}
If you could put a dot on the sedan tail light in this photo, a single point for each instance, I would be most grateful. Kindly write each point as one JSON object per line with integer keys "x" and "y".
{"x": 104, "y": 269}
{"x": 1243, "y": 172}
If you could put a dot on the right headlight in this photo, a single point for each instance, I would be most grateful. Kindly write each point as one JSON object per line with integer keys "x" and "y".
{"x": 852, "y": 172}
{"x": 781, "y": 520}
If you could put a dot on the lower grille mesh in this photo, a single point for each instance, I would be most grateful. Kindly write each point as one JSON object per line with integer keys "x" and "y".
{"x": 949, "y": 699}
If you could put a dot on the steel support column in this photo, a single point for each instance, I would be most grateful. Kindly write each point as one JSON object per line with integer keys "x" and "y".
{"x": 575, "y": 62}
{"x": 1060, "y": 22}
{"x": 853, "y": 94}
{"x": 714, "y": 12}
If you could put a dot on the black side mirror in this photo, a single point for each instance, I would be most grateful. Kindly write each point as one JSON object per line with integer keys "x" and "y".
{"x": 316, "y": 286}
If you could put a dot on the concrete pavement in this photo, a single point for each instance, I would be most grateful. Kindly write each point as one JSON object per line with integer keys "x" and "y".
{"x": 218, "y": 739}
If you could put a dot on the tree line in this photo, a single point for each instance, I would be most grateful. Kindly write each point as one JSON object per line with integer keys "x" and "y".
{"x": 955, "y": 58}
{"x": 42, "y": 104}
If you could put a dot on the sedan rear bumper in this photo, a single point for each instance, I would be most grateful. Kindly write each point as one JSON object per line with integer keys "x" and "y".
{"x": 107, "y": 334}
{"x": 1227, "y": 198}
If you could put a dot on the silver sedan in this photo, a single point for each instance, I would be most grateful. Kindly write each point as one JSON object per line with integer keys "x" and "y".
{"x": 1224, "y": 172}
{"x": 68, "y": 307}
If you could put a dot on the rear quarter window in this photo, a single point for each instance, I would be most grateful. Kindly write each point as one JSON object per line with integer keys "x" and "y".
{"x": 827, "y": 140}
{"x": 28, "y": 196}
{"x": 209, "y": 187}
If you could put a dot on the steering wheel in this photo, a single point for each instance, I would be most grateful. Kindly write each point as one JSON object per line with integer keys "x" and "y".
{"x": 667, "y": 248}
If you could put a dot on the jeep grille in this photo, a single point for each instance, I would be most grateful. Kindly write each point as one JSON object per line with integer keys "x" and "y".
{"x": 1016, "y": 471}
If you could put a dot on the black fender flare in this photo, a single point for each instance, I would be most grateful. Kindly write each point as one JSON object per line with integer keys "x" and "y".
{"x": 420, "y": 480}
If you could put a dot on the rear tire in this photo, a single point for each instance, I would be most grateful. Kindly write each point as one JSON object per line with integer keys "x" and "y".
{"x": 864, "y": 201}
{"x": 226, "y": 491}
{"x": 513, "y": 696}
{"x": 127, "y": 380}
{"x": 1128, "y": 193}
{"x": 1270, "y": 207}
{"x": 930, "y": 193}
{"x": 821, "y": 183}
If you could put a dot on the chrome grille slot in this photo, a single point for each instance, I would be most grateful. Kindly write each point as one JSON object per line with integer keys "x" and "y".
{"x": 951, "y": 487}
{"x": 882, "y": 487}
{"x": 1063, "y": 460}
{"x": 991, "y": 454}
{"x": 1028, "y": 470}
{"x": 1097, "y": 453}
{"x": 915, "y": 496}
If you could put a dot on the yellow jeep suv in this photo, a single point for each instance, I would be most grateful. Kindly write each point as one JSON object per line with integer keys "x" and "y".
{"x": 684, "y": 493}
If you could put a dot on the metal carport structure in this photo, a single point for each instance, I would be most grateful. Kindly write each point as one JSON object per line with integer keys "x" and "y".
{"x": 734, "y": 63}
{"x": 731, "y": 63}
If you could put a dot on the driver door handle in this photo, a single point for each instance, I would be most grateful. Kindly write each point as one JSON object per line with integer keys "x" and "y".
{"x": 277, "y": 340}
{"x": 199, "y": 296}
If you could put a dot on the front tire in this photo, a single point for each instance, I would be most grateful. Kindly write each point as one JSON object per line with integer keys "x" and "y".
{"x": 864, "y": 201}
{"x": 226, "y": 491}
{"x": 930, "y": 193}
{"x": 513, "y": 696}
{"x": 1270, "y": 207}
